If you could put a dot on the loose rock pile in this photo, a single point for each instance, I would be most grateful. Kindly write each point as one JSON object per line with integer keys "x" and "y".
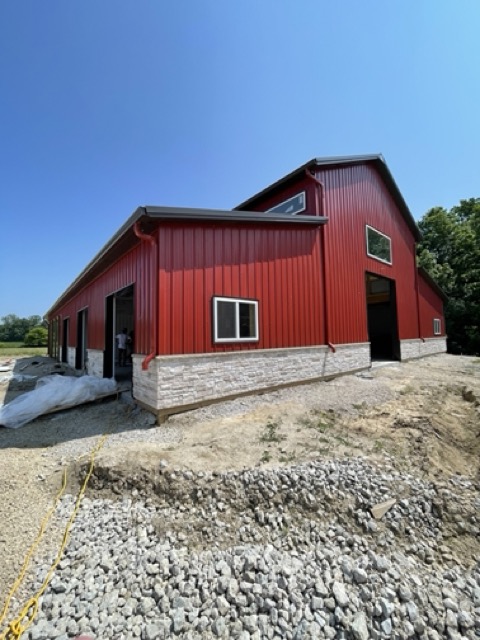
{"x": 286, "y": 553}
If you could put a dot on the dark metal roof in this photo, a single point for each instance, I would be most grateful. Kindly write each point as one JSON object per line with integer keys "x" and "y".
{"x": 124, "y": 239}
{"x": 376, "y": 159}
{"x": 167, "y": 213}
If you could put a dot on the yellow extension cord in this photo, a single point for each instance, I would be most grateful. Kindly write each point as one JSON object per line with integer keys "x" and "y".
{"x": 15, "y": 628}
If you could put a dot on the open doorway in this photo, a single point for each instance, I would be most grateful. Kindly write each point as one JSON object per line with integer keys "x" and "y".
{"x": 382, "y": 318}
{"x": 81, "y": 350}
{"x": 119, "y": 319}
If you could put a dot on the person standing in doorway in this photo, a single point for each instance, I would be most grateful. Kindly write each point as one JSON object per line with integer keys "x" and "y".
{"x": 122, "y": 341}
{"x": 130, "y": 347}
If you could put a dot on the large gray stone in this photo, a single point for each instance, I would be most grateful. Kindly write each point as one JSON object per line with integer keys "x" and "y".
{"x": 219, "y": 626}
{"x": 178, "y": 620}
{"x": 340, "y": 594}
{"x": 359, "y": 575}
{"x": 359, "y": 627}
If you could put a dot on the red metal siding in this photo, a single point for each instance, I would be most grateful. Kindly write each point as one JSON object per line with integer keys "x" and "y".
{"x": 132, "y": 268}
{"x": 278, "y": 267}
{"x": 354, "y": 197}
{"x": 287, "y": 191}
{"x": 431, "y": 306}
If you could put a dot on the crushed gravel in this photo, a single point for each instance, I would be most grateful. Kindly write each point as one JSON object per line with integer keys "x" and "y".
{"x": 286, "y": 553}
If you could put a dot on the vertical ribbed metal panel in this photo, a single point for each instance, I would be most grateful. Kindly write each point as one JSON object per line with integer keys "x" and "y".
{"x": 287, "y": 191}
{"x": 133, "y": 268}
{"x": 279, "y": 267}
{"x": 431, "y": 306}
{"x": 354, "y": 197}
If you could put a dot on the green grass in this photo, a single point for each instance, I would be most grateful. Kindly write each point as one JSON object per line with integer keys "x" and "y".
{"x": 271, "y": 433}
{"x": 342, "y": 440}
{"x": 288, "y": 457}
{"x": 319, "y": 421}
{"x": 17, "y": 349}
{"x": 266, "y": 456}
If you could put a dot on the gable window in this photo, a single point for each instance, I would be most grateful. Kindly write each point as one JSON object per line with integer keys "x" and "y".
{"x": 437, "y": 327}
{"x": 293, "y": 205}
{"x": 379, "y": 246}
{"x": 235, "y": 320}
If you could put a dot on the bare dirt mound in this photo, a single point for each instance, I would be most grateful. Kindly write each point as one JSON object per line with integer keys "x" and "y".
{"x": 422, "y": 416}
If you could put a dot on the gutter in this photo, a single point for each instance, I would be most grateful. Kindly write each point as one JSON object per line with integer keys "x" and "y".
{"x": 417, "y": 293}
{"x": 153, "y": 295}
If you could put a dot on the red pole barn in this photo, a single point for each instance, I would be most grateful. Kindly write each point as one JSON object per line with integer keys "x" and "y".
{"x": 312, "y": 277}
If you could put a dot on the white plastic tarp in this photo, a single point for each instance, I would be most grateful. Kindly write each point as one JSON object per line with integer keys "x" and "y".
{"x": 53, "y": 392}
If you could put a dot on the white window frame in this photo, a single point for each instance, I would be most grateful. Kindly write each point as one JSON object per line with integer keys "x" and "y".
{"x": 371, "y": 255}
{"x": 291, "y": 213}
{"x": 437, "y": 327}
{"x": 237, "y": 302}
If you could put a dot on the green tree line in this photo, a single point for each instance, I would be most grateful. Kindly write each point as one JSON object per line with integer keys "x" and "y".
{"x": 450, "y": 252}
{"x": 31, "y": 331}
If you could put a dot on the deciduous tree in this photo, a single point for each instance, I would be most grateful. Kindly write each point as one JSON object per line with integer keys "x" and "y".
{"x": 36, "y": 337}
{"x": 450, "y": 251}
{"x": 13, "y": 328}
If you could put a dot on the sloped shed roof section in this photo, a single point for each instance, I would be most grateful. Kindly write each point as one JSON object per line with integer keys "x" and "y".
{"x": 376, "y": 160}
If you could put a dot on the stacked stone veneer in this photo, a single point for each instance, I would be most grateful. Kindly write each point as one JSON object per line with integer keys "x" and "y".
{"x": 173, "y": 382}
{"x": 419, "y": 348}
{"x": 71, "y": 353}
{"x": 95, "y": 362}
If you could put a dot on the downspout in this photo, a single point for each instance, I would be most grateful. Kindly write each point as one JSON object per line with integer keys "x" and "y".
{"x": 320, "y": 211}
{"x": 417, "y": 293}
{"x": 154, "y": 295}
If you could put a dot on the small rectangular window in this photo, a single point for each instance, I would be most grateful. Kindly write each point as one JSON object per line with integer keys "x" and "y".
{"x": 295, "y": 204}
{"x": 437, "y": 327}
{"x": 379, "y": 246}
{"x": 235, "y": 320}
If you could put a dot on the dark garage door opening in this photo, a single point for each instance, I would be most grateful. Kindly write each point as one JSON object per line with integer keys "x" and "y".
{"x": 119, "y": 315}
{"x": 382, "y": 318}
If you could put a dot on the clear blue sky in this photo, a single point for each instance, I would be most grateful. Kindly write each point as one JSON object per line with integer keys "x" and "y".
{"x": 110, "y": 104}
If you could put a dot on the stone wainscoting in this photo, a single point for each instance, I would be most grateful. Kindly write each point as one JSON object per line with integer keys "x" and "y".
{"x": 417, "y": 348}
{"x": 71, "y": 354}
{"x": 175, "y": 383}
{"x": 95, "y": 362}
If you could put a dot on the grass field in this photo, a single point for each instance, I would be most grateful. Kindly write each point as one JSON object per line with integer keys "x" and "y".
{"x": 17, "y": 349}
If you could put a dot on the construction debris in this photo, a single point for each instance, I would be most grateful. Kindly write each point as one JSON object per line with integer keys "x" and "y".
{"x": 53, "y": 393}
{"x": 380, "y": 509}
